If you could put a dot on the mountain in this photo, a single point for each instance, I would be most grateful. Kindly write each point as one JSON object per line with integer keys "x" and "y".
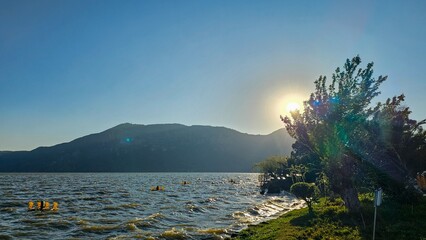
{"x": 152, "y": 148}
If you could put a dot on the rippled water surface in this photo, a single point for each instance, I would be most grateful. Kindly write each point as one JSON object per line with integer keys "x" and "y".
{"x": 121, "y": 205}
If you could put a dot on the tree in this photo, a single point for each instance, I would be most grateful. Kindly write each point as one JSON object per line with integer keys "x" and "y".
{"x": 322, "y": 182}
{"x": 298, "y": 172}
{"x": 403, "y": 137}
{"x": 336, "y": 129}
{"x": 275, "y": 170}
{"x": 274, "y": 166}
{"x": 306, "y": 191}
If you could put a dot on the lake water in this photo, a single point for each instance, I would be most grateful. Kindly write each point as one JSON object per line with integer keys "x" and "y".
{"x": 121, "y": 205}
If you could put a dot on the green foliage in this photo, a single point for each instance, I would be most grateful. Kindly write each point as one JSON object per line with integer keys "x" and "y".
{"x": 338, "y": 133}
{"x": 275, "y": 171}
{"x": 302, "y": 155}
{"x": 298, "y": 172}
{"x": 323, "y": 184}
{"x": 275, "y": 166}
{"x": 403, "y": 137}
{"x": 280, "y": 172}
{"x": 332, "y": 221}
{"x": 306, "y": 191}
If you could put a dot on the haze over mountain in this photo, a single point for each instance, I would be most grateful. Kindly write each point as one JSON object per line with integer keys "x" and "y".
{"x": 152, "y": 148}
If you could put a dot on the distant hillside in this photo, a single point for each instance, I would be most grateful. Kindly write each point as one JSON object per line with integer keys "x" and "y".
{"x": 152, "y": 148}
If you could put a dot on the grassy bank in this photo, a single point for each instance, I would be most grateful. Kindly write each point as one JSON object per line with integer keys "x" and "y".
{"x": 332, "y": 221}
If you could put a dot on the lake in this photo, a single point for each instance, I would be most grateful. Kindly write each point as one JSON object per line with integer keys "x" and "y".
{"x": 122, "y": 206}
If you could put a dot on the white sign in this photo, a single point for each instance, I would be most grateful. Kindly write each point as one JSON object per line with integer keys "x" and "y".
{"x": 378, "y": 197}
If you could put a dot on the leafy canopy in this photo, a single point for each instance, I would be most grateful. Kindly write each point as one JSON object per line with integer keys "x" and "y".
{"x": 306, "y": 191}
{"x": 340, "y": 133}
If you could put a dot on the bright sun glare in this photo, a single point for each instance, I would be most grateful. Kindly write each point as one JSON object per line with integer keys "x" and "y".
{"x": 288, "y": 103}
{"x": 292, "y": 106}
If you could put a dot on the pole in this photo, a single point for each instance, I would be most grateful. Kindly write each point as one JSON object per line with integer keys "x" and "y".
{"x": 374, "y": 225}
{"x": 377, "y": 202}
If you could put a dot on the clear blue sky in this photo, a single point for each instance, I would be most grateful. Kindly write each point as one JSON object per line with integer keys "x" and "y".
{"x": 71, "y": 68}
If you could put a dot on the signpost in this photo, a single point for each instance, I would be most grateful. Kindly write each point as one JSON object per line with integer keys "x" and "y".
{"x": 377, "y": 202}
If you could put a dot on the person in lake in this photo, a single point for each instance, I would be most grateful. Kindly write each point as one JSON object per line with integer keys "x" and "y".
{"x": 31, "y": 206}
{"x": 41, "y": 205}
{"x": 158, "y": 188}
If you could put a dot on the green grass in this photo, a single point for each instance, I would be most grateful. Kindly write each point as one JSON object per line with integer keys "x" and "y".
{"x": 332, "y": 221}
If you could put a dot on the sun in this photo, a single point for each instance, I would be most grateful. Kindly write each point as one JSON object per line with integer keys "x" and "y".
{"x": 286, "y": 104}
{"x": 293, "y": 106}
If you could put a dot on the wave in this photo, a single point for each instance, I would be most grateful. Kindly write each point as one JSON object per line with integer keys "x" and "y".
{"x": 100, "y": 228}
{"x": 174, "y": 233}
{"x": 5, "y": 237}
{"x": 273, "y": 207}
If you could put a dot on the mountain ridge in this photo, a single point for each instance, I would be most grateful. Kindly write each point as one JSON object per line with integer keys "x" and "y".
{"x": 148, "y": 148}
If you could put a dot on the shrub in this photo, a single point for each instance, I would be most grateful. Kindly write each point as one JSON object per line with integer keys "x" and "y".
{"x": 306, "y": 191}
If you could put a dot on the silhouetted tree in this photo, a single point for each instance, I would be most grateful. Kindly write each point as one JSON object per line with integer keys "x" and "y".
{"x": 337, "y": 130}
{"x": 403, "y": 137}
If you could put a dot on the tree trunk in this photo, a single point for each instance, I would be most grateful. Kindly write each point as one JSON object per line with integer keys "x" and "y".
{"x": 350, "y": 196}
{"x": 342, "y": 183}
{"x": 309, "y": 203}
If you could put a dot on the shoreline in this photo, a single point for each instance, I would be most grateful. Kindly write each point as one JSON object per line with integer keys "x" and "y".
{"x": 295, "y": 204}
{"x": 331, "y": 220}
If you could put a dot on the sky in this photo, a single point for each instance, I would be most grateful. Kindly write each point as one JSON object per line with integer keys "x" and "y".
{"x": 70, "y": 68}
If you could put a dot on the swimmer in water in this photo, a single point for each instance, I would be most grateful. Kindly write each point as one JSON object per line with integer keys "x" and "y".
{"x": 40, "y": 205}
{"x": 55, "y": 206}
{"x": 30, "y": 206}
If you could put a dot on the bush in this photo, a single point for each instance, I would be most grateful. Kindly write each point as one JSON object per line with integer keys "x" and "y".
{"x": 306, "y": 191}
